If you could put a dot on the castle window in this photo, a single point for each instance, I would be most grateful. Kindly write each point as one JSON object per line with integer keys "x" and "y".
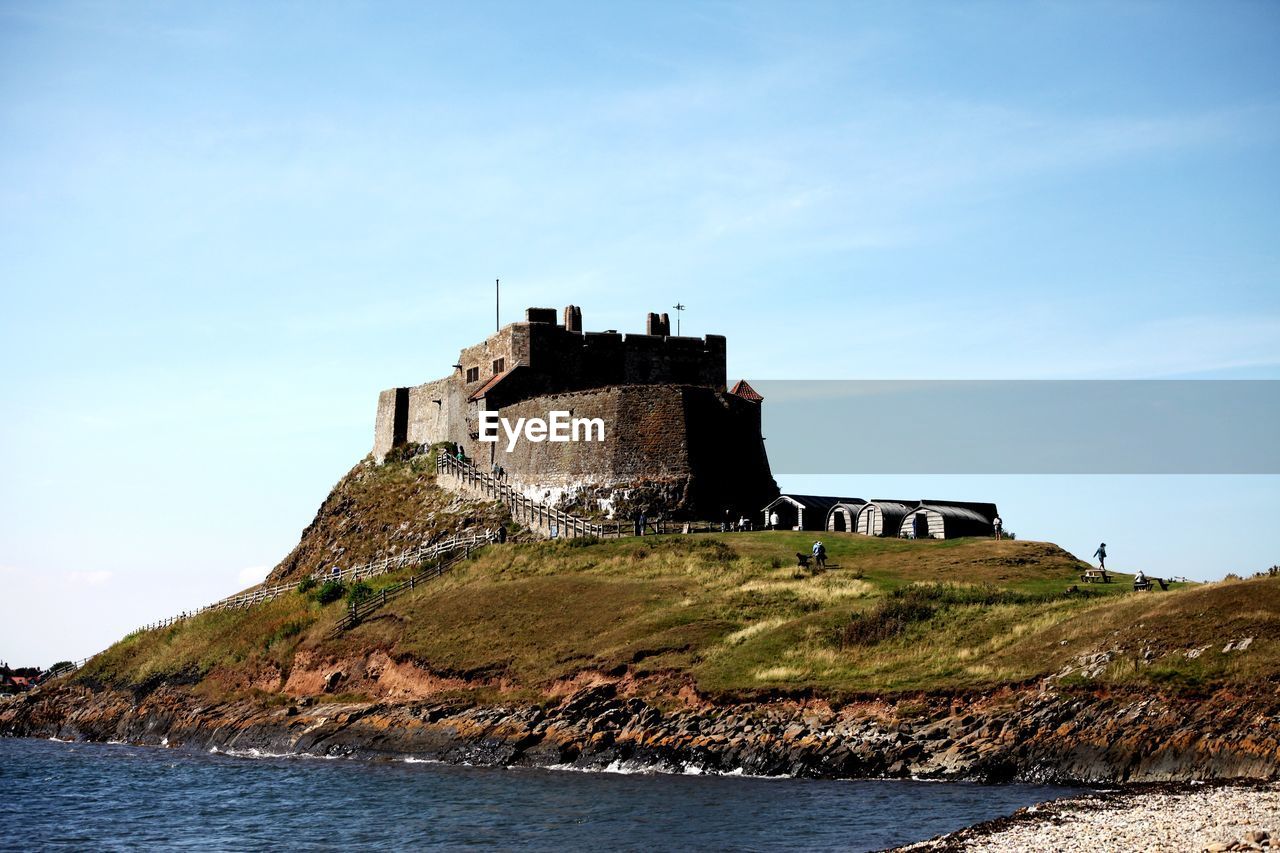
{"x": 473, "y": 374}
{"x": 499, "y": 365}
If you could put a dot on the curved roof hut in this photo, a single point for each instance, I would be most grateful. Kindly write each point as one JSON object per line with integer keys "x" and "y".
{"x": 883, "y": 517}
{"x": 802, "y": 512}
{"x": 843, "y": 517}
{"x": 948, "y": 520}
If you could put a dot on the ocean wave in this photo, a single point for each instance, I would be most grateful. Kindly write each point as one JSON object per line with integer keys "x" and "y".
{"x": 254, "y": 752}
{"x": 636, "y": 768}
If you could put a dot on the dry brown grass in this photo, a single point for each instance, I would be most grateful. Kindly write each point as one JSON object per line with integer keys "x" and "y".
{"x": 727, "y": 612}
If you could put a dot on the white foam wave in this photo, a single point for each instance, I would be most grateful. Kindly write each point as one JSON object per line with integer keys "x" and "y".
{"x": 254, "y": 752}
{"x": 635, "y": 768}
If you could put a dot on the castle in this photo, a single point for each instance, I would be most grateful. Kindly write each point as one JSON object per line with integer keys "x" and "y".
{"x": 676, "y": 440}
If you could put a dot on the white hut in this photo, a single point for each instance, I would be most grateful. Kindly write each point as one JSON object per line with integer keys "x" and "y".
{"x": 843, "y": 517}
{"x": 948, "y": 520}
{"x": 882, "y": 517}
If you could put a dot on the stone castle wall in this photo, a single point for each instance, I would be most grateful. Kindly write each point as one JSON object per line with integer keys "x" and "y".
{"x": 691, "y": 450}
{"x": 695, "y": 450}
{"x": 670, "y": 426}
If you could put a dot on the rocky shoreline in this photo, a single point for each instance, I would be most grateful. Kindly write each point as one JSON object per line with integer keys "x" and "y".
{"x": 1037, "y": 734}
{"x": 1209, "y": 818}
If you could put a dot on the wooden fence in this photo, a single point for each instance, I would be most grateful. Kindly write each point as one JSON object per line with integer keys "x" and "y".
{"x": 413, "y": 557}
{"x": 358, "y": 610}
{"x": 63, "y": 669}
{"x": 555, "y": 523}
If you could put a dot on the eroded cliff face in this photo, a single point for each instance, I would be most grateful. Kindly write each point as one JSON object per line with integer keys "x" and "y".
{"x": 598, "y": 720}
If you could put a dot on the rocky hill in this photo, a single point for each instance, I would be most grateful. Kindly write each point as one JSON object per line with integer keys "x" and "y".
{"x": 378, "y": 510}
{"x": 963, "y": 658}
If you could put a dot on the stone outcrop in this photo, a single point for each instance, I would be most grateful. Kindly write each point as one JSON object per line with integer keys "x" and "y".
{"x": 1032, "y": 734}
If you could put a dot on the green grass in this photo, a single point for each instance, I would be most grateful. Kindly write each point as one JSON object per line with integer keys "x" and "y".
{"x": 731, "y": 615}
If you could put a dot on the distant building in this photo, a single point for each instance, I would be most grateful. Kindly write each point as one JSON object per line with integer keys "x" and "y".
{"x": 18, "y": 680}
{"x": 907, "y": 519}
{"x": 882, "y": 517}
{"x": 803, "y": 512}
{"x": 949, "y": 520}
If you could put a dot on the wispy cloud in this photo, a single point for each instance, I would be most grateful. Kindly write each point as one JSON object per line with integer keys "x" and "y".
{"x": 96, "y": 577}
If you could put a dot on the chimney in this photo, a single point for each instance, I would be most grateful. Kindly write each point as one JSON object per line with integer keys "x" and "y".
{"x": 572, "y": 318}
{"x": 657, "y": 324}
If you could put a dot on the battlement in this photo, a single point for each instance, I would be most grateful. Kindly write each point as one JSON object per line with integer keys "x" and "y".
{"x": 554, "y": 357}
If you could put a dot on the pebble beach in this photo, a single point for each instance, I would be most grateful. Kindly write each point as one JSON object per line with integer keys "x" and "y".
{"x": 1199, "y": 818}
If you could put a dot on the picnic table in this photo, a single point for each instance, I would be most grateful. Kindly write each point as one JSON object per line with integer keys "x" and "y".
{"x": 1095, "y": 575}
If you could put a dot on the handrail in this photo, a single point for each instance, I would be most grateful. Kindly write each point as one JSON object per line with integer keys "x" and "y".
{"x": 532, "y": 512}
{"x": 523, "y": 508}
{"x": 68, "y": 666}
{"x": 356, "y": 611}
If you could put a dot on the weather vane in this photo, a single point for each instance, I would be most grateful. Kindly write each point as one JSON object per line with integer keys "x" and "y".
{"x": 679, "y": 307}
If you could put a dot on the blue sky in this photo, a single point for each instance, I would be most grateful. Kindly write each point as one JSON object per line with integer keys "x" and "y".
{"x": 225, "y": 227}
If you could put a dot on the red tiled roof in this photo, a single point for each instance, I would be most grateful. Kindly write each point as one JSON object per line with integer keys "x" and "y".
{"x": 490, "y": 385}
{"x": 745, "y": 391}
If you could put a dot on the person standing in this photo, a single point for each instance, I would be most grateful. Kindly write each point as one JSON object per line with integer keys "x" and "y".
{"x": 773, "y": 520}
{"x": 999, "y": 526}
{"x": 1101, "y": 554}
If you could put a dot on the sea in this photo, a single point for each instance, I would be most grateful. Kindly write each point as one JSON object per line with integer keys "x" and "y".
{"x": 80, "y": 796}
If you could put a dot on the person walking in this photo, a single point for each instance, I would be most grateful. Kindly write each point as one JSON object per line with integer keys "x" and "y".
{"x": 819, "y": 556}
{"x": 773, "y": 520}
{"x": 1101, "y": 554}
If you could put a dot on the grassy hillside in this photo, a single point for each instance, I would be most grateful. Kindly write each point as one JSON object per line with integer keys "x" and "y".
{"x": 731, "y": 616}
